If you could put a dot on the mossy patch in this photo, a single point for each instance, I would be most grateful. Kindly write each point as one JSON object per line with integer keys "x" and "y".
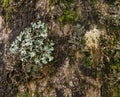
{"x": 57, "y": 2}
{"x": 92, "y": 2}
{"x": 8, "y": 11}
{"x": 68, "y": 17}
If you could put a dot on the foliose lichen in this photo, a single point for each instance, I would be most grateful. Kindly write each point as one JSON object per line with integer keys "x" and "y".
{"x": 33, "y": 45}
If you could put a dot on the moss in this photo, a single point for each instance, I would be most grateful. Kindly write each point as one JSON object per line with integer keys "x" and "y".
{"x": 68, "y": 16}
{"x": 105, "y": 89}
{"x": 66, "y": 84}
{"x": 92, "y": 2}
{"x": 9, "y": 15}
{"x": 24, "y": 95}
{"x": 116, "y": 91}
{"x": 8, "y": 10}
{"x": 113, "y": 91}
{"x": 57, "y": 2}
{"x": 88, "y": 61}
{"x": 5, "y": 3}
{"x": 71, "y": 54}
{"x": 111, "y": 1}
{"x": 70, "y": 13}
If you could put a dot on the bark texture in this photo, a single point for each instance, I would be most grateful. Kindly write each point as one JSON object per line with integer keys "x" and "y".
{"x": 86, "y": 61}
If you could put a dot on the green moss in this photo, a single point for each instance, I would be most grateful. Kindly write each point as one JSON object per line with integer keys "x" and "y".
{"x": 91, "y": 2}
{"x": 66, "y": 84}
{"x": 70, "y": 13}
{"x": 24, "y": 95}
{"x": 68, "y": 16}
{"x": 116, "y": 92}
{"x": 8, "y": 11}
{"x": 57, "y": 2}
{"x": 88, "y": 61}
{"x": 71, "y": 54}
{"x": 111, "y": 1}
{"x": 5, "y": 3}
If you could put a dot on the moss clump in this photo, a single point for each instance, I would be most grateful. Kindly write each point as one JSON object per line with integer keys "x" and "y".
{"x": 8, "y": 11}
{"x": 24, "y": 95}
{"x": 68, "y": 17}
{"x": 116, "y": 91}
{"x": 5, "y": 3}
{"x": 57, "y": 2}
{"x": 92, "y": 2}
{"x": 88, "y": 61}
{"x": 111, "y": 1}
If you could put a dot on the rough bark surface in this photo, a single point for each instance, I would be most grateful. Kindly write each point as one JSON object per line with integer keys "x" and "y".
{"x": 84, "y": 64}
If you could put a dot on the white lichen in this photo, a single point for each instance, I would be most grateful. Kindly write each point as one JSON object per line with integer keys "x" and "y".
{"x": 33, "y": 45}
{"x": 92, "y": 38}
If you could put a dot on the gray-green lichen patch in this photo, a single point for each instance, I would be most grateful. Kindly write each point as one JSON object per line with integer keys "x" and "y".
{"x": 33, "y": 45}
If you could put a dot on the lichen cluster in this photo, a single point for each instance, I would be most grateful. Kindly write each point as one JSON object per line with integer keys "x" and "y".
{"x": 33, "y": 45}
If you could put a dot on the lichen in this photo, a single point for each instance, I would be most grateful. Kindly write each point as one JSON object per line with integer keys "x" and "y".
{"x": 92, "y": 38}
{"x": 33, "y": 45}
